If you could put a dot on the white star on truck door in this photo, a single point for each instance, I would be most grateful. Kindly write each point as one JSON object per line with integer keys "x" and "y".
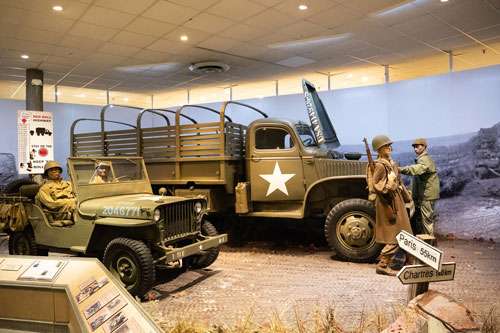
{"x": 277, "y": 180}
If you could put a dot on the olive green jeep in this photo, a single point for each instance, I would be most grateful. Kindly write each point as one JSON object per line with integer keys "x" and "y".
{"x": 120, "y": 221}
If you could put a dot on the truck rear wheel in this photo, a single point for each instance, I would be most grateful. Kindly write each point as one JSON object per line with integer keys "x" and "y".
{"x": 24, "y": 243}
{"x": 350, "y": 230}
{"x": 210, "y": 255}
{"x": 130, "y": 261}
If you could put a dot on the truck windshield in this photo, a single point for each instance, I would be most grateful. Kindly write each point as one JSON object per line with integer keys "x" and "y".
{"x": 306, "y": 135}
{"x": 95, "y": 171}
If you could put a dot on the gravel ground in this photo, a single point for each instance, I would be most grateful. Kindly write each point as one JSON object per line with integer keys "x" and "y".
{"x": 258, "y": 282}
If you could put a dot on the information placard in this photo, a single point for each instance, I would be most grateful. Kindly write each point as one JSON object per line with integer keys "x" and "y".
{"x": 35, "y": 140}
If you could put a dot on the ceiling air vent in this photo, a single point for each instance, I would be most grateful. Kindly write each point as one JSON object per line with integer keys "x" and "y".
{"x": 209, "y": 67}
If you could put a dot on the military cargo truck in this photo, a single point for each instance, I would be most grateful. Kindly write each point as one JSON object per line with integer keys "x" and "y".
{"x": 271, "y": 168}
{"x": 120, "y": 221}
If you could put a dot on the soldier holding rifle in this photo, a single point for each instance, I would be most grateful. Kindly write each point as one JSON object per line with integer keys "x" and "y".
{"x": 385, "y": 193}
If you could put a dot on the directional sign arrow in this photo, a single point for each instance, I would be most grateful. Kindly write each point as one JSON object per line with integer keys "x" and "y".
{"x": 424, "y": 273}
{"x": 420, "y": 249}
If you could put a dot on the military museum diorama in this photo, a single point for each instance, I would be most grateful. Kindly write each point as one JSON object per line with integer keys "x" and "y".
{"x": 270, "y": 168}
{"x": 117, "y": 218}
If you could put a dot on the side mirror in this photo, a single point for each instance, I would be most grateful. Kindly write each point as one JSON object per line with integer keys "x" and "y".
{"x": 162, "y": 191}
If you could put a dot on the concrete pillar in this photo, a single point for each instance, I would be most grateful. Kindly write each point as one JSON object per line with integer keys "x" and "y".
{"x": 386, "y": 73}
{"x": 34, "y": 89}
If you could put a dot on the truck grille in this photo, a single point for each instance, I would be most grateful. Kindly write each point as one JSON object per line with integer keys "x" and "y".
{"x": 330, "y": 168}
{"x": 180, "y": 219}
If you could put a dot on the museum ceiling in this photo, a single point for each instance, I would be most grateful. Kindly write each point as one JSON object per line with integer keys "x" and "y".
{"x": 135, "y": 46}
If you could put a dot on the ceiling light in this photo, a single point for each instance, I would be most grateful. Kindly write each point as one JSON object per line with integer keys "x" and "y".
{"x": 57, "y": 8}
{"x": 202, "y": 98}
{"x": 365, "y": 79}
{"x": 81, "y": 96}
{"x": 184, "y": 37}
{"x": 303, "y": 7}
{"x": 349, "y": 75}
{"x": 58, "y": 93}
{"x": 444, "y": 0}
{"x": 125, "y": 99}
{"x": 318, "y": 39}
{"x": 25, "y": 56}
{"x": 344, "y": 83}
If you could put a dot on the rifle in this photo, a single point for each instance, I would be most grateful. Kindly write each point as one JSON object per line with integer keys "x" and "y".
{"x": 389, "y": 213}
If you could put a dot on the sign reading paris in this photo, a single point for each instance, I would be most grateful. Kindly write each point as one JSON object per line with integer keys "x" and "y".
{"x": 420, "y": 249}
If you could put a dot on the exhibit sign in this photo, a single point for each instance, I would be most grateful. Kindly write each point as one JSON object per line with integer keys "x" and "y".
{"x": 424, "y": 273}
{"x": 420, "y": 249}
{"x": 35, "y": 140}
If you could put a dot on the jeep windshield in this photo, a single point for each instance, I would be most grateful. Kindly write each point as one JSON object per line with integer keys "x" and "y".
{"x": 105, "y": 176}
{"x": 306, "y": 135}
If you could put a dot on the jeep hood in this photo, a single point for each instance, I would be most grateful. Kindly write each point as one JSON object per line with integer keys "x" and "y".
{"x": 320, "y": 122}
{"x": 134, "y": 206}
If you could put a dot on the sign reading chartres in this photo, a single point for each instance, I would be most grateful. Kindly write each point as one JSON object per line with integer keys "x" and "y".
{"x": 420, "y": 249}
{"x": 424, "y": 273}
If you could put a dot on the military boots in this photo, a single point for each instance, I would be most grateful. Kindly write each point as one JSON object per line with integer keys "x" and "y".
{"x": 383, "y": 266}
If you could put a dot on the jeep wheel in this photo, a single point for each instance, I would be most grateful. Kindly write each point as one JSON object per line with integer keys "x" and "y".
{"x": 130, "y": 261}
{"x": 350, "y": 230}
{"x": 23, "y": 243}
{"x": 210, "y": 255}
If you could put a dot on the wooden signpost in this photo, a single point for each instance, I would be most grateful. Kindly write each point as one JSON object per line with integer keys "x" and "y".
{"x": 420, "y": 249}
{"x": 424, "y": 273}
{"x": 419, "y": 276}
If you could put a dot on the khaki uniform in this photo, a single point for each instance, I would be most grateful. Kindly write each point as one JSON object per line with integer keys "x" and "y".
{"x": 425, "y": 190}
{"x": 57, "y": 197}
{"x": 99, "y": 180}
{"x": 387, "y": 230}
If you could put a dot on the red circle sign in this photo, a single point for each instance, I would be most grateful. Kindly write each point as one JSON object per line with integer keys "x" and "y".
{"x": 43, "y": 152}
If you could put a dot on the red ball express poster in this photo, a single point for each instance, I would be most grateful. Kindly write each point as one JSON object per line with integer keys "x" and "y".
{"x": 35, "y": 140}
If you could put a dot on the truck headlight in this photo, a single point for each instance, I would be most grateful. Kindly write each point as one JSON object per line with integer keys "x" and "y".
{"x": 157, "y": 215}
{"x": 198, "y": 206}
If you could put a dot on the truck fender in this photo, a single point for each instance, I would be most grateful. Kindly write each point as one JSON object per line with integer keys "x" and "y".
{"x": 327, "y": 190}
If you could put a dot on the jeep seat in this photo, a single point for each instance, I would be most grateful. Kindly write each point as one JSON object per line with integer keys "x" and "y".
{"x": 29, "y": 191}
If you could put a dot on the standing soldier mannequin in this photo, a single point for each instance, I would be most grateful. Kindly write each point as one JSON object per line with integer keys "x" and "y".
{"x": 425, "y": 187}
{"x": 57, "y": 196}
{"x": 391, "y": 215}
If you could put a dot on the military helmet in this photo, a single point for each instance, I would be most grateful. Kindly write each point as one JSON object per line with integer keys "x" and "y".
{"x": 102, "y": 164}
{"x": 50, "y": 165}
{"x": 379, "y": 141}
{"x": 420, "y": 142}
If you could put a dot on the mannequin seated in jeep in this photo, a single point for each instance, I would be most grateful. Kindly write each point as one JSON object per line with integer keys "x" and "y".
{"x": 56, "y": 195}
{"x": 102, "y": 173}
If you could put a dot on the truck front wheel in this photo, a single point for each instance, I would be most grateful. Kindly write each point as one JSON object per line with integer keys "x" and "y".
{"x": 210, "y": 255}
{"x": 130, "y": 261}
{"x": 350, "y": 230}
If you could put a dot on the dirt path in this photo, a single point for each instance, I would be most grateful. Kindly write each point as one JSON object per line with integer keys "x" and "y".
{"x": 258, "y": 281}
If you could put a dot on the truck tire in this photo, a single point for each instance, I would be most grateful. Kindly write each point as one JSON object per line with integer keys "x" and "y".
{"x": 14, "y": 186}
{"x": 210, "y": 255}
{"x": 24, "y": 243}
{"x": 130, "y": 262}
{"x": 350, "y": 231}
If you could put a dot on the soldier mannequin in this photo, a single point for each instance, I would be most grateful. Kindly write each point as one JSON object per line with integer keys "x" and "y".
{"x": 57, "y": 195}
{"x": 425, "y": 187}
{"x": 101, "y": 175}
{"x": 384, "y": 184}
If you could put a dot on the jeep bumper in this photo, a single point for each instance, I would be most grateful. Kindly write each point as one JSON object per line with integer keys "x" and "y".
{"x": 174, "y": 254}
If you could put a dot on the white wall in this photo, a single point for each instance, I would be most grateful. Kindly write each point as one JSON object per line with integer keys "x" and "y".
{"x": 436, "y": 106}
